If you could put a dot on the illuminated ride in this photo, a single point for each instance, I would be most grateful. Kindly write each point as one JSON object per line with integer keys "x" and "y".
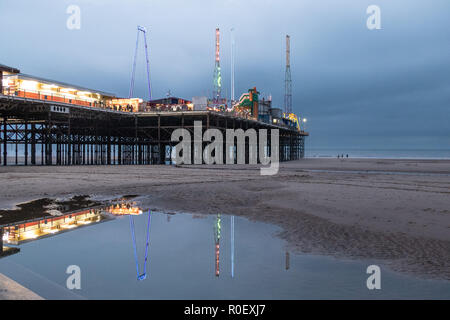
{"x": 248, "y": 104}
{"x": 133, "y": 71}
{"x": 217, "y": 79}
{"x": 143, "y": 275}
{"x": 293, "y": 119}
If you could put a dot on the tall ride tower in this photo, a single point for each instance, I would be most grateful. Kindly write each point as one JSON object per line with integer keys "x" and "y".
{"x": 217, "y": 76}
{"x": 232, "y": 66}
{"x": 287, "y": 78}
{"x": 133, "y": 71}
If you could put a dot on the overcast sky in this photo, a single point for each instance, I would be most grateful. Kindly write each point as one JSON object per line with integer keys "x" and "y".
{"x": 359, "y": 88}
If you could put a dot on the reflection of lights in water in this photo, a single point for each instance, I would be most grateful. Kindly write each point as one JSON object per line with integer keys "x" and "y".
{"x": 218, "y": 227}
{"x": 32, "y": 234}
{"x": 217, "y": 232}
{"x": 85, "y": 222}
{"x": 217, "y": 259}
{"x": 68, "y": 226}
{"x": 124, "y": 209}
{"x": 31, "y": 230}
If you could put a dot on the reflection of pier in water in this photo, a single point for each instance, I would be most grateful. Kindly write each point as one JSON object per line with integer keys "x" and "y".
{"x": 143, "y": 275}
{"x": 217, "y": 237}
{"x": 19, "y": 232}
{"x": 28, "y": 230}
{"x": 130, "y": 209}
{"x": 232, "y": 246}
{"x": 287, "y": 261}
{"x": 6, "y": 251}
{"x": 217, "y": 234}
{"x": 124, "y": 209}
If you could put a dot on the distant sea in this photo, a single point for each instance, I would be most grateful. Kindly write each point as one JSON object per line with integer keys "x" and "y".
{"x": 378, "y": 153}
{"x": 320, "y": 153}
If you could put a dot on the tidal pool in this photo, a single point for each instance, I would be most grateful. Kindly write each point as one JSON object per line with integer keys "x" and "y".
{"x": 196, "y": 257}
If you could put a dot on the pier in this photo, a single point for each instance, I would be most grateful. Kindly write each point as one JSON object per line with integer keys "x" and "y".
{"x": 49, "y": 132}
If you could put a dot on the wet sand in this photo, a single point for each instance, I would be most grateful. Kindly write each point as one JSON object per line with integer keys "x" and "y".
{"x": 394, "y": 211}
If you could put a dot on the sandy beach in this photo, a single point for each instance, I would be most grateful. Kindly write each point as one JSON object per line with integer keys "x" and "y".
{"x": 394, "y": 211}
